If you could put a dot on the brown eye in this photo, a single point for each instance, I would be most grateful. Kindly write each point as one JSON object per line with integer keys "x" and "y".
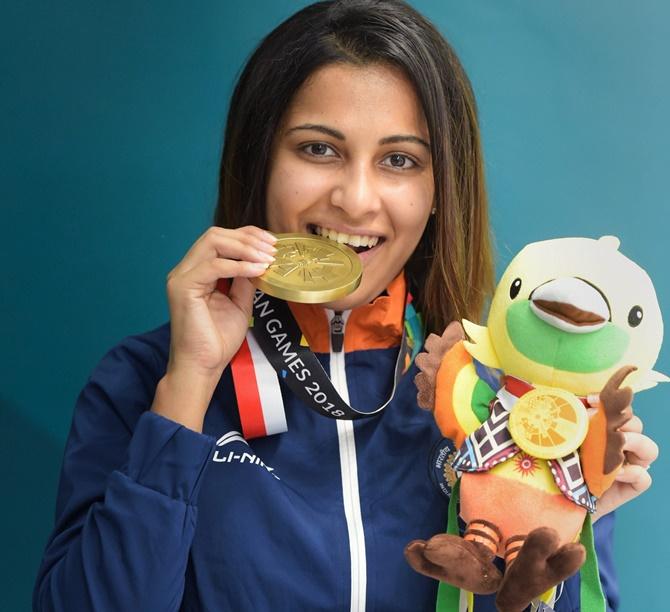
{"x": 318, "y": 148}
{"x": 635, "y": 316}
{"x": 515, "y": 287}
{"x": 400, "y": 161}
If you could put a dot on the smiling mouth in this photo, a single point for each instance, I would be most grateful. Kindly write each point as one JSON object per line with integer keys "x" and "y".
{"x": 360, "y": 243}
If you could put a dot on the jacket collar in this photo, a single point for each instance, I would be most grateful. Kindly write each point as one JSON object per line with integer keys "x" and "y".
{"x": 375, "y": 325}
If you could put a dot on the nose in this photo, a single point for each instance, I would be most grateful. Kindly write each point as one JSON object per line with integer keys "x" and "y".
{"x": 357, "y": 192}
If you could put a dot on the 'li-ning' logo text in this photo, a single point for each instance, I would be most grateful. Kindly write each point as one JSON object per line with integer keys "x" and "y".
{"x": 222, "y": 456}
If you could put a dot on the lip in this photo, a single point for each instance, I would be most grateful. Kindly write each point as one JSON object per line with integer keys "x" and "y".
{"x": 365, "y": 256}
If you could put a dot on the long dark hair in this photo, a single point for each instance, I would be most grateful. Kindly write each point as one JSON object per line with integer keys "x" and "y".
{"x": 451, "y": 270}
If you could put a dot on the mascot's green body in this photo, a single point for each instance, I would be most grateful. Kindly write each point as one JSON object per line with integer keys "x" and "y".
{"x": 570, "y": 320}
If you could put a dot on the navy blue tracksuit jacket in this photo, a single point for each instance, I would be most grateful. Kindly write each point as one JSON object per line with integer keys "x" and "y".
{"x": 152, "y": 516}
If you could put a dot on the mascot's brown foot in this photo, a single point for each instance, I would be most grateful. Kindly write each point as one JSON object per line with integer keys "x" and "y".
{"x": 450, "y": 558}
{"x": 540, "y": 564}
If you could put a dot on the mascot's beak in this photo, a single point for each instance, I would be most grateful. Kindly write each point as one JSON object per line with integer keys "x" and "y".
{"x": 570, "y": 304}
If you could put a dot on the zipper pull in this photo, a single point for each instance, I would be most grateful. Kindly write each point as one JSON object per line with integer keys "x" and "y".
{"x": 337, "y": 332}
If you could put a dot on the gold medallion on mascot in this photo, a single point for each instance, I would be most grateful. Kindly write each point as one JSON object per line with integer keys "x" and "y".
{"x": 310, "y": 269}
{"x": 548, "y": 423}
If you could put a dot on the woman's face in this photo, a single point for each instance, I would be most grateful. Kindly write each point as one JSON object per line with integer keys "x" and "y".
{"x": 351, "y": 161}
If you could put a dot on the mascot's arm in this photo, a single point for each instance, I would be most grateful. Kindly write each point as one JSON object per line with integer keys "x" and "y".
{"x": 462, "y": 398}
{"x": 601, "y": 452}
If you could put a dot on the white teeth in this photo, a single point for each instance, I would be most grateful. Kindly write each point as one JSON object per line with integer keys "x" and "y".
{"x": 350, "y": 239}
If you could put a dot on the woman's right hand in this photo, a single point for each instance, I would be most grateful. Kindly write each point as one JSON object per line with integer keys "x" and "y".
{"x": 207, "y": 327}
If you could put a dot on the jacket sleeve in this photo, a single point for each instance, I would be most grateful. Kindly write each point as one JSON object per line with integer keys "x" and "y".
{"x": 126, "y": 506}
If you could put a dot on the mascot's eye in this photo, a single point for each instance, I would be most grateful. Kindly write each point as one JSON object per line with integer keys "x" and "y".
{"x": 515, "y": 287}
{"x": 635, "y": 316}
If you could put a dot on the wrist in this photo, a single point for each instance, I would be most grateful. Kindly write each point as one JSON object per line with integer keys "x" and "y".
{"x": 184, "y": 396}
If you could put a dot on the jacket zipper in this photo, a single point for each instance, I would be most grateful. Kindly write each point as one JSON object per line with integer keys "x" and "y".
{"x": 348, "y": 466}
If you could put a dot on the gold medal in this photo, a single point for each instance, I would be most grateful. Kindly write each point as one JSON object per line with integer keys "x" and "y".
{"x": 548, "y": 423}
{"x": 310, "y": 269}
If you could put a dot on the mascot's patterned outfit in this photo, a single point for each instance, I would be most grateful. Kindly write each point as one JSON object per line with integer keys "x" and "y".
{"x": 551, "y": 491}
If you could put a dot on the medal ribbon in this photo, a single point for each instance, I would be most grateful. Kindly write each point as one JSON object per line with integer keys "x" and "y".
{"x": 277, "y": 334}
{"x": 259, "y": 399}
{"x": 519, "y": 388}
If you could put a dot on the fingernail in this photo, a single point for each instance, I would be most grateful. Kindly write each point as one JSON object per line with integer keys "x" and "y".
{"x": 260, "y": 266}
{"x": 269, "y": 237}
{"x": 267, "y": 248}
{"x": 265, "y": 256}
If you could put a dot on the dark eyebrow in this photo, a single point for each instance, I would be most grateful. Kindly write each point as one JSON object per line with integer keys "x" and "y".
{"x": 340, "y": 136}
{"x": 404, "y": 138}
{"x": 318, "y": 128}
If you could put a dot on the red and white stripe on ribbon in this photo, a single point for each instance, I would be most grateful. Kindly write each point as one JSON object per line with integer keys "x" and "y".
{"x": 259, "y": 398}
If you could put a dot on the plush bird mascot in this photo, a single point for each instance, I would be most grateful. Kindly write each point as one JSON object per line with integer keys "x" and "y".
{"x": 533, "y": 403}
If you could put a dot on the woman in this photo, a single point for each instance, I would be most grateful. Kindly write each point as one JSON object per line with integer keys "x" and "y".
{"x": 353, "y": 120}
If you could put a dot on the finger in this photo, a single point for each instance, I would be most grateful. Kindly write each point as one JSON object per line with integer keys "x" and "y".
{"x": 259, "y": 233}
{"x": 218, "y": 241}
{"x": 242, "y": 244}
{"x": 229, "y": 268}
{"x": 634, "y": 424}
{"x": 242, "y": 294}
{"x": 248, "y": 230}
{"x": 203, "y": 278}
{"x": 640, "y": 449}
{"x": 636, "y": 477}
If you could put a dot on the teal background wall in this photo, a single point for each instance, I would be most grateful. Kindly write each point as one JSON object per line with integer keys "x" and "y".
{"x": 111, "y": 116}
